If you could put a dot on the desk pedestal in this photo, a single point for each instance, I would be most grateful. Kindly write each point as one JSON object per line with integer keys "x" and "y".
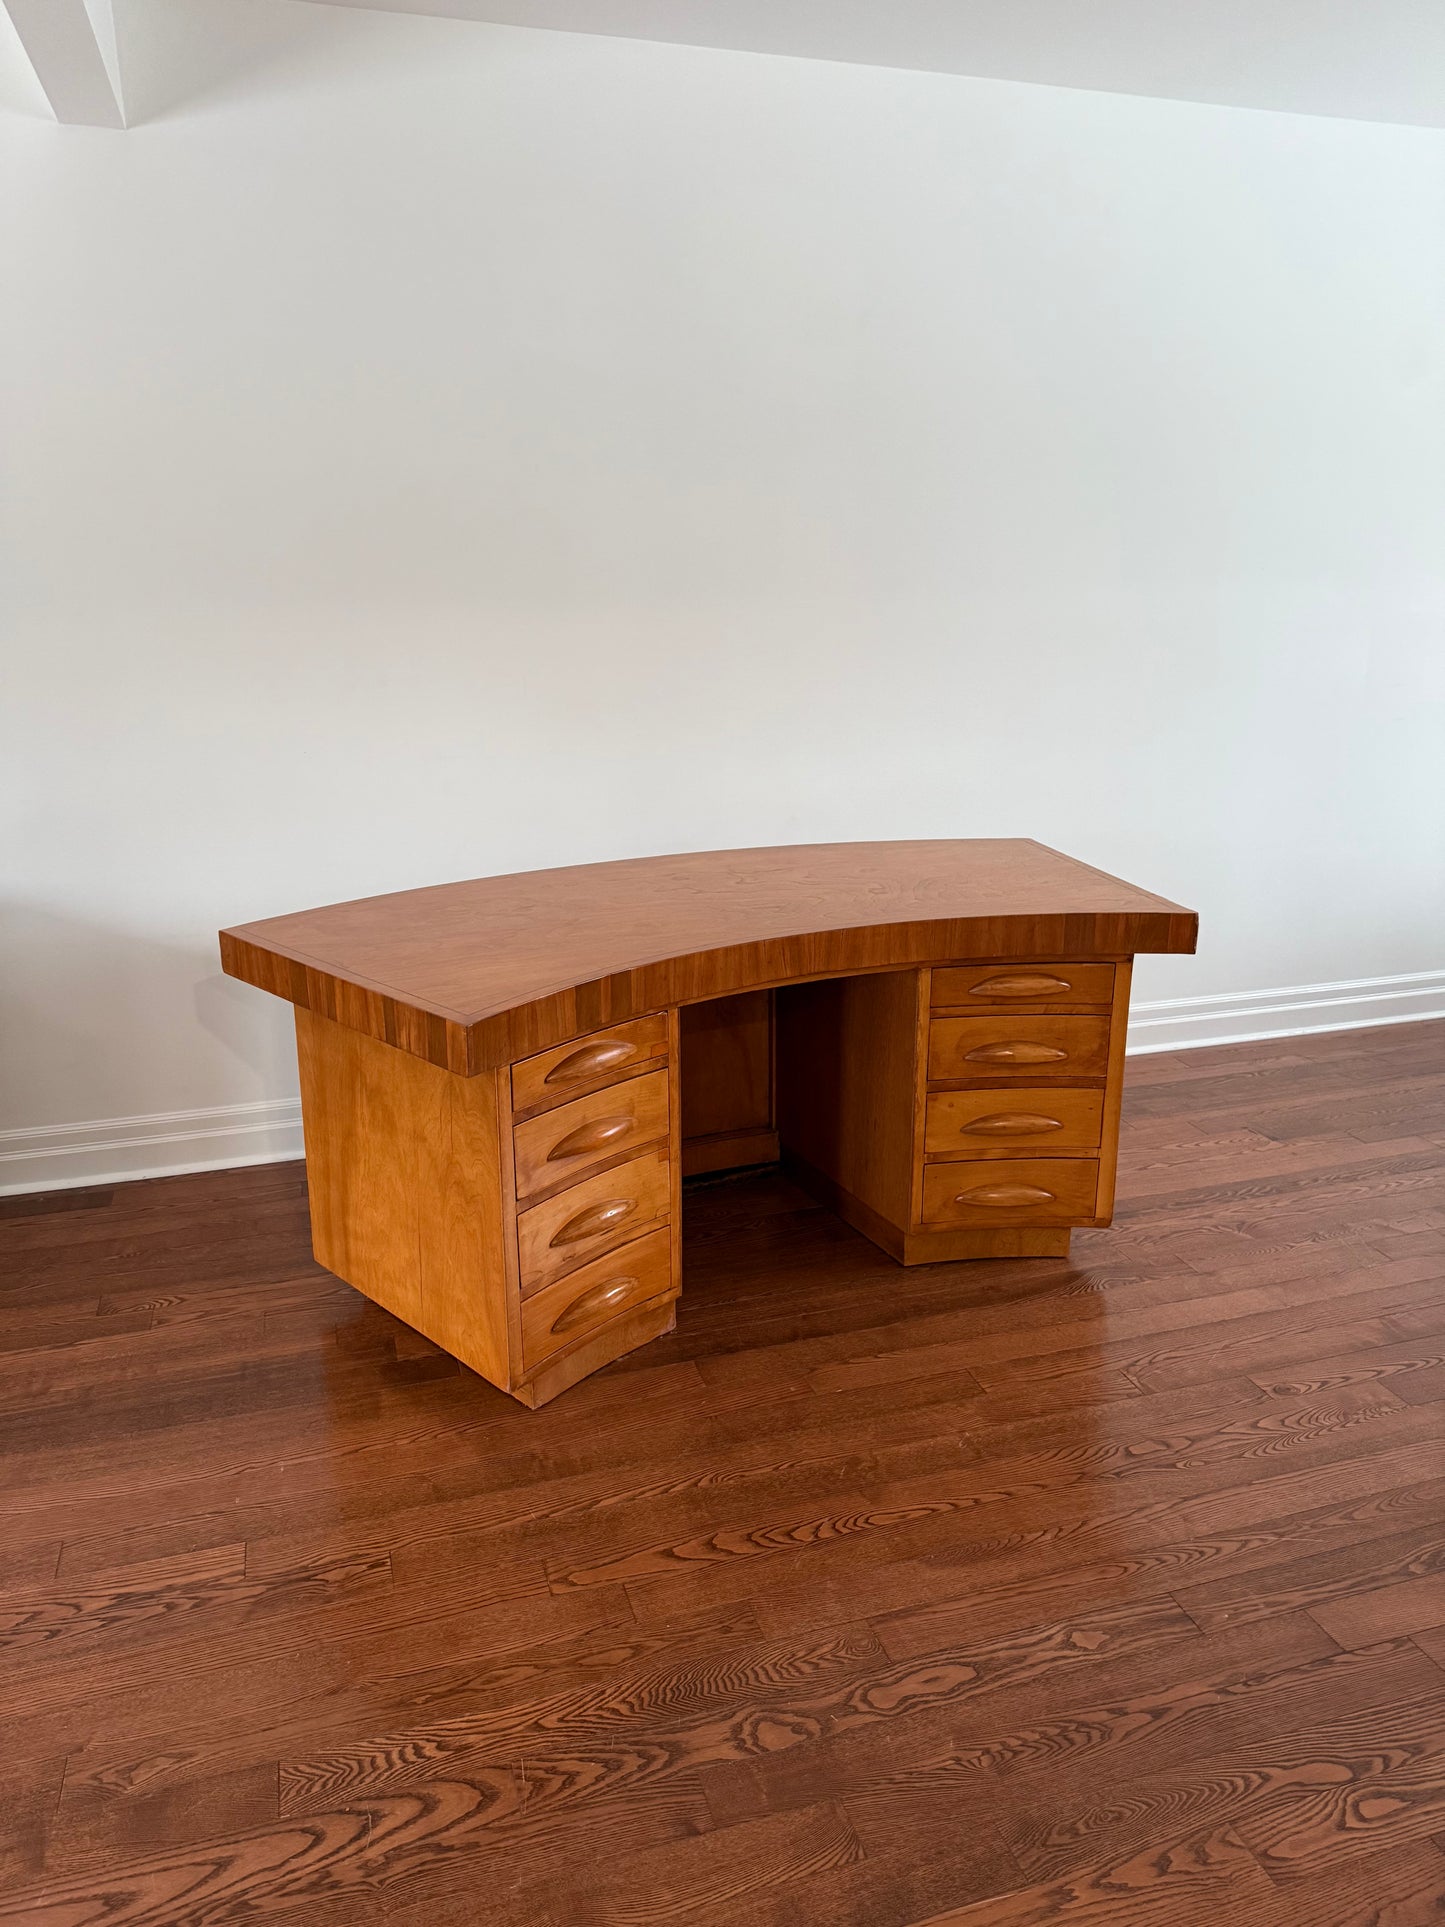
{"x": 528, "y": 1219}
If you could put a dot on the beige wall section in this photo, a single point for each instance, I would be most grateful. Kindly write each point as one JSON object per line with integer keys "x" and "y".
{"x": 495, "y": 449}
{"x": 403, "y": 1166}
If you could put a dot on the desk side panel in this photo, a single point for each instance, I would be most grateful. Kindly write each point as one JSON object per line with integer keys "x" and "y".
{"x": 727, "y": 1083}
{"x": 847, "y": 1092}
{"x": 403, "y": 1167}
{"x": 1114, "y": 1093}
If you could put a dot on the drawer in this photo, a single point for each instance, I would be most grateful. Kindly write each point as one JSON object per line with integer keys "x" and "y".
{"x": 564, "y": 1144}
{"x": 555, "y": 1075}
{"x": 585, "y": 1300}
{"x": 1022, "y": 986}
{"x": 1027, "y": 1191}
{"x": 588, "y": 1219}
{"x": 962, "y": 1122}
{"x": 1026, "y": 1046}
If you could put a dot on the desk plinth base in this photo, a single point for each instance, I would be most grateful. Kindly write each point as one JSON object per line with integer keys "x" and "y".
{"x": 615, "y": 1341}
{"x": 951, "y": 1247}
{"x": 923, "y": 1247}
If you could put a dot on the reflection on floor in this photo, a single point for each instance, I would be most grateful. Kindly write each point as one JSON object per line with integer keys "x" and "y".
{"x": 1109, "y": 1590}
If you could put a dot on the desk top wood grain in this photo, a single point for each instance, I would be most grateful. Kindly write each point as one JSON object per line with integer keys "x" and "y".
{"x": 474, "y": 975}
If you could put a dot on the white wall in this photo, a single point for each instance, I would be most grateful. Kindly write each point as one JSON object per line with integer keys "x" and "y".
{"x": 436, "y": 449}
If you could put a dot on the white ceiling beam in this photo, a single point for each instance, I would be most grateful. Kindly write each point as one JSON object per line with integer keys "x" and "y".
{"x": 71, "y": 46}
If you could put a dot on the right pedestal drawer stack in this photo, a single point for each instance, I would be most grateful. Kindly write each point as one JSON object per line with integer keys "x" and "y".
{"x": 1021, "y": 1100}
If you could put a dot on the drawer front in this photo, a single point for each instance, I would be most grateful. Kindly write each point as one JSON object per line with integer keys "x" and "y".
{"x": 585, "y": 1300}
{"x": 1024, "y": 1191}
{"x": 554, "y": 1076}
{"x": 564, "y": 1144}
{"x": 1023, "y": 986}
{"x": 593, "y": 1217}
{"x": 1019, "y": 1045}
{"x": 1005, "y": 1123}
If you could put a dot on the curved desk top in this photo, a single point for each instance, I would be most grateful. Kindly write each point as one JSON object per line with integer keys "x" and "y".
{"x": 475, "y": 975}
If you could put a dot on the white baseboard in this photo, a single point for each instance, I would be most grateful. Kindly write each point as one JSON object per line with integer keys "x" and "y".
{"x": 1297, "y": 1010}
{"x": 113, "y": 1150}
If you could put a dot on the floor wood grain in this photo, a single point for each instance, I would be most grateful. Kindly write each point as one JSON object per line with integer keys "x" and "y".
{"x": 1108, "y": 1590}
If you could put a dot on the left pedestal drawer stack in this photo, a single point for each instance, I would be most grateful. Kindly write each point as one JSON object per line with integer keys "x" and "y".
{"x": 593, "y": 1176}
{"x": 525, "y": 1219}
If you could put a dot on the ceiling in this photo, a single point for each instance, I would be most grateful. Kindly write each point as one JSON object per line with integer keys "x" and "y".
{"x": 1373, "y": 60}
{"x": 1381, "y": 60}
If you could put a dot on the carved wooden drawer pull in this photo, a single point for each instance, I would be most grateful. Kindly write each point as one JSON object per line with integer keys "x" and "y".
{"x": 594, "y": 1303}
{"x": 595, "y": 1136}
{"x": 1013, "y": 1124}
{"x": 1021, "y": 984}
{"x": 1005, "y": 1197}
{"x": 590, "y": 1061}
{"x": 594, "y": 1220}
{"x": 1020, "y": 1052}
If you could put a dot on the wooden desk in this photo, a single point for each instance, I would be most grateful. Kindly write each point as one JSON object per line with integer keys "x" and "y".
{"x": 496, "y": 1075}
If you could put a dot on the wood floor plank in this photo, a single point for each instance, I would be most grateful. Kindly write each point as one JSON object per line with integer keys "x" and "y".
{"x": 1384, "y": 1612}
{"x": 858, "y": 1763}
{"x": 1321, "y": 1581}
{"x": 1255, "y": 1158}
{"x": 1403, "y": 1886}
{"x": 581, "y": 1746}
{"x": 1413, "y": 1369}
{"x": 1303, "y": 1801}
{"x": 269, "y": 1870}
{"x": 577, "y": 1521}
{"x": 1165, "y": 1336}
{"x": 1185, "y": 1881}
{"x": 1190, "y": 1715}
{"x": 91, "y": 1829}
{"x": 121, "y": 1760}
{"x": 1158, "y": 1567}
{"x": 1168, "y": 1526}
{"x": 30, "y": 1786}
{"x": 1038, "y": 1520}
{"x": 703, "y": 1707}
{"x": 717, "y": 1875}
{"x": 321, "y": 1642}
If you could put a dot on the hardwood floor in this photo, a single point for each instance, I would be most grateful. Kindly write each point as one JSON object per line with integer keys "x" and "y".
{"x": 1107, "y": 1590}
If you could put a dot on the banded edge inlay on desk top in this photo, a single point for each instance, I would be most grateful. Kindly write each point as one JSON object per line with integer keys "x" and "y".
{"x": 476, "y": 975}
{"x": 929, "y": 1034}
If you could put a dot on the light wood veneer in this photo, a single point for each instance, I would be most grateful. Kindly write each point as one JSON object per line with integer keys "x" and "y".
{"x": 572, "y": 1070}
{"x": 476, "y": 975}
{"x": 561, "y": 1146}
{"x": 984, "y": 1194}
{"x": 1059, "y": 987}
{"x": 1004, "y": 1123}
{"x": 1018, "y": 1045}
{"x": 591, "y": 1217}
{"x": 577, "y": 1306}
{"x": 504, "y": 1082}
